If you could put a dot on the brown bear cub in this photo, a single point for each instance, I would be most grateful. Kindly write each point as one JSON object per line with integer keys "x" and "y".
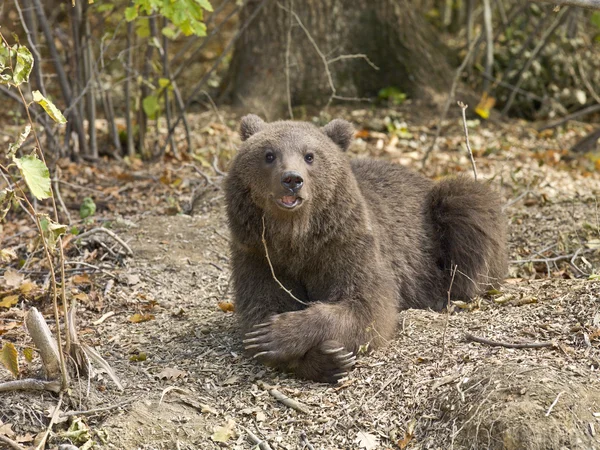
{"x": 353, "y": 241}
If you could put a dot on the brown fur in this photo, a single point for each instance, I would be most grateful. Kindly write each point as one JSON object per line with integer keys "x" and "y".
{"x": 369, "y": 238}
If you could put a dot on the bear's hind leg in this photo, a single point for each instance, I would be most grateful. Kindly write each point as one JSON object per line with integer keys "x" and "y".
{"x": 471, "y": 232}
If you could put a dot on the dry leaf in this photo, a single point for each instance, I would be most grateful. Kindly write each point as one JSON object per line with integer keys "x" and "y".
{"x": 7, "y": 254}
{"x": 366, "y": 441}
{"x": 25, "y": 438}
{"x": 408, "y": 435}
{"x": 9, "y": 301}
{"x": 12, "y": 278}
{"x": 132, "y": 279}
{"x": 226, "y": 306}
{"x": 6, "y": 430}
{"x": 137, "y": 318}
{"x": 224, "y": 432}
{"x": 27, "y": 287}
{"x": 7, "y": 326}
{"x": 8, "y": 358}
{"x": 81, "y": 279}
{"x": 169, "y": 373}
{"x": 28, "y": 354}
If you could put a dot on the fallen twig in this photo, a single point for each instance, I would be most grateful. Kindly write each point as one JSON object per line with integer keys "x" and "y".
{"x": 554, "y": 403}
{"x": 455, "y": 268}
{"x": 582, "y": 112}
{"x": 53, "y": 419}
{"x": 110, "y": 233}
{"x": 553, "y": 259}
{"x": 30, "y": 384}
{"x": 264, "y": 241}
{"x": 481, "y": 340}
{"x": 12, "y": 444}
{"x": 89, "y": 412}
{"x": 288, "y": 401}
{"x": 305, "y": 442}
{"x": 262, "y": 445}
{"x": 466, "y": 130}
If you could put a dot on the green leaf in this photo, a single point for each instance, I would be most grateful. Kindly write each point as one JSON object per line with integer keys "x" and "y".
{"x": 169, "y": 32}
{"x": 49, "y": 107}
{"x": 6, "y": 196}
{"x": 51, "y": 231}
{"x": 150, "y": 105}
{"x": 131, "y": 13}
{"x": 87, "y": 208}
{"x": 105, "y": 7}
{"x": 205, "y": 4}
{"x": 23, "y": 66}
{"x": 36, "y": 175}
{"x": 595, "y": 19}
{"x": 164, "y": 82}
{"x": 12, "y": 148}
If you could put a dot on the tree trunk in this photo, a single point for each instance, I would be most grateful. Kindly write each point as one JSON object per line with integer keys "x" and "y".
{"x": 322, "y": 42}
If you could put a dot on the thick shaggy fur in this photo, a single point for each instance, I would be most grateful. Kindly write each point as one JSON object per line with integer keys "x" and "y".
{"x": 369, "y": 239}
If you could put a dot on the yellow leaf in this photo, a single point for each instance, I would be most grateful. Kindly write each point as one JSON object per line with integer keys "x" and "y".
{"x": 8, "y": 358}
{"x": 224, "y": 432}
{"x": 137, "y": 318}
{"x": 28, "y": 354}
{"x": 226, "y": 306}
{"x": 9, "y": 301}
{"x": 27, "y": 287}
{"x": 485, "y": 105}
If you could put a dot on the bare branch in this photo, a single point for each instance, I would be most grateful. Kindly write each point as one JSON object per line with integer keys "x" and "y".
{"x": 481, "y": 340}
{"x": 587, "y": 4}
{"x": 264, "y": 241}
{"x": 466, "y": 130}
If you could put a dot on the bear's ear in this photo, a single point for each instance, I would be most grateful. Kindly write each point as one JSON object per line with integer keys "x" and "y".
{"x": 250, "y": 125}
{"x": 340, "y": 131}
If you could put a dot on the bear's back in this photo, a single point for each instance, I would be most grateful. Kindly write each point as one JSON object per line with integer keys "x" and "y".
{"x": 397, "y": 199}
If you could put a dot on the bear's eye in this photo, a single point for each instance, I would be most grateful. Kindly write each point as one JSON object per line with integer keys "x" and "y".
{"x": 270, "y": 157}
{"x": 309, "y": 158}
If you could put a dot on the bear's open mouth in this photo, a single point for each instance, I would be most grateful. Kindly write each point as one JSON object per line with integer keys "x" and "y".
{"x": 289, "y": 201}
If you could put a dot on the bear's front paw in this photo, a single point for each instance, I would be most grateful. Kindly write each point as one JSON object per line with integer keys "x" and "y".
{"x": 328, "y": 362}
{"x": 279, "y": 340}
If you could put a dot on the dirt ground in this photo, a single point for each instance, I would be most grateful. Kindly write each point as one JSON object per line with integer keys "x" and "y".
{"x": 187, "y": 384}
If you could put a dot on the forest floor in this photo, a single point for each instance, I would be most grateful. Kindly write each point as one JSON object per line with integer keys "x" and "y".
{"x": 161, "y": 317}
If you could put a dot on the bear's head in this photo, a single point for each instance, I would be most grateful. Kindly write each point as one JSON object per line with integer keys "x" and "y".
{"x": 288, "y": 167}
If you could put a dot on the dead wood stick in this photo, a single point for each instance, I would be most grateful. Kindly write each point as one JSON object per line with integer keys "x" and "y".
{"x": 305, "y": 441}
{"x": 481, "y": 340}
{"x": 30, "y": 384}
{"x": 453, "y": 270}
{"x": 42, "y": 443}
{"x": 264, "y": 242}
{"x": 111, "y": 234}
{"x": 89, "y": 412}
{"x": 582, "y": 112}
{"x": 554, "y": 403}
{"x": 553, "y": 259}
{"x": 44, "y": 341}
{"x": 288, "y": 401}
{"x": 587, "y": 4}
{"x": 262, "y": 445}
{"x": 12, "y": 444}
{"x": 466, "y": 130}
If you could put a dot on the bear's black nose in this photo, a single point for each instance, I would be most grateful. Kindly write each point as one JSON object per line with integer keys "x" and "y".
{"x": 292, "y": 181}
